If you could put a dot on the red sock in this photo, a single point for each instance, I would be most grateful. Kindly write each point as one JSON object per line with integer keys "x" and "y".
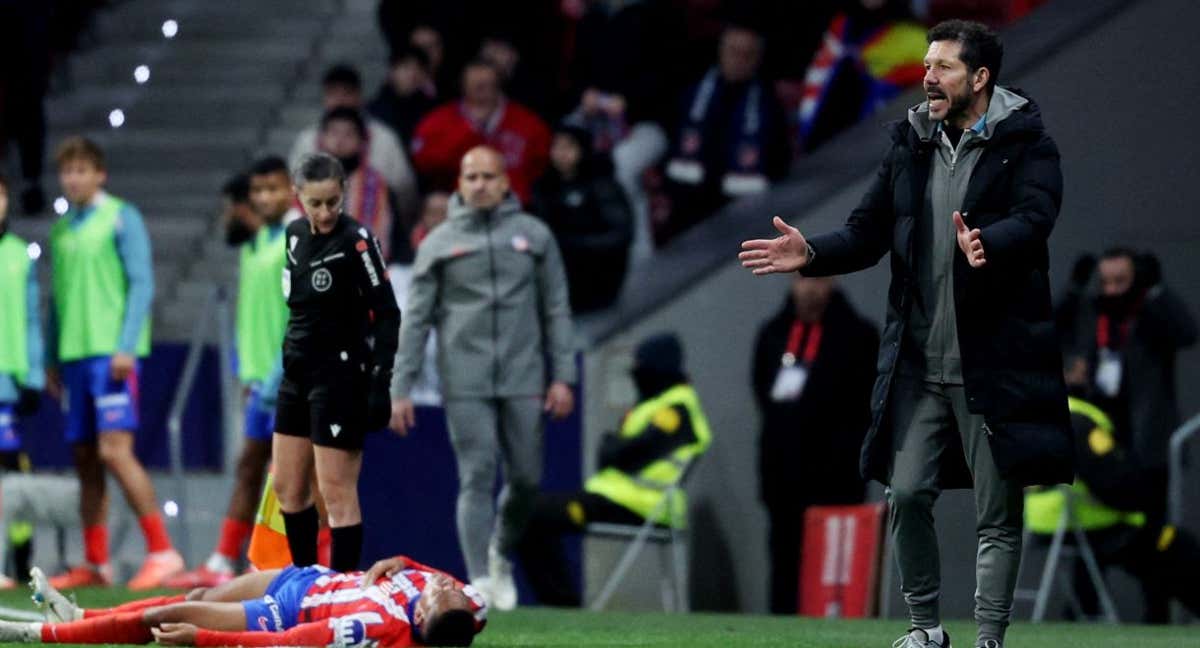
{"x": 134, "y": 606}
{"x": 113, "y": 629}
{"x": 155, "y": 532}
{"x": 234, "y": 534}
{"x": 324, "y": 546}
{"x": 95, "y": 544}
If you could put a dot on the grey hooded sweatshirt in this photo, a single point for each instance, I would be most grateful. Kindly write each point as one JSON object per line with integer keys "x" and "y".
{"x": 493, "y": 284}
{"x": 933, "y": 327}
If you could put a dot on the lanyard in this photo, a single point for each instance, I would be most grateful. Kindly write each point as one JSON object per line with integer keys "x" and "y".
{"x": 1102, "y": 332}
{"x": 810, "y": 347}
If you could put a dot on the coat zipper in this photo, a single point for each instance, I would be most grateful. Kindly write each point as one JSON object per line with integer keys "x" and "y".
{"x": 495, "y": 305}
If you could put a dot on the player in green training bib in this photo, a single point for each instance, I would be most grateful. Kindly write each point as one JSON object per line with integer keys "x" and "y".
{"x": 21, "y": 373}
{"x": 262, "y": 316}
{"x": 103, "y": 284}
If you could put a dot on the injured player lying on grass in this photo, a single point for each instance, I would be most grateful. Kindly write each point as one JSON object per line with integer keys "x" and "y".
{"x": 398, "y": 602}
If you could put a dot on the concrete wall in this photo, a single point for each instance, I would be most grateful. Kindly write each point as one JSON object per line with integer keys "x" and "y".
{"x": 1120, "y": 100}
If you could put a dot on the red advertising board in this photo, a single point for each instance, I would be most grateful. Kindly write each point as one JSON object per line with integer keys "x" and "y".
{"x": 839, "y": 570}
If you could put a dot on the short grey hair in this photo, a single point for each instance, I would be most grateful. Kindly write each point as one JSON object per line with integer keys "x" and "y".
{"x": 316, "y": 167}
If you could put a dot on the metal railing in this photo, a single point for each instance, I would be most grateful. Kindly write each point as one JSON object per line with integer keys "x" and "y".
{"x": 216, "y": 306}
{"x": 1175, "y": 475}
{"x": 1179, "y": 440}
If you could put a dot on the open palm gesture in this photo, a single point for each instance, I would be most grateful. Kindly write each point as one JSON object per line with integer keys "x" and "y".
{"x": 787, "y": 252}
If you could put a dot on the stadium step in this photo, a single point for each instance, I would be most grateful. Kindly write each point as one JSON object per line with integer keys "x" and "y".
{"x": 214, "y": 91}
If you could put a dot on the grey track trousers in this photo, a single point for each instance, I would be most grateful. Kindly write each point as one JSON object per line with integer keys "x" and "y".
{"x": 483, "y": 432}
{"x": 923, "y": 416}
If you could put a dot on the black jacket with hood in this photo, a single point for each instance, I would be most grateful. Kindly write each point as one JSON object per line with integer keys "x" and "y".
{"x": 1011, "y": 363}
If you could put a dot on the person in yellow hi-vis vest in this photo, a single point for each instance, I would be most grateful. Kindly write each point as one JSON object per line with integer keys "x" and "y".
{"x": 658, "y": 438}
{"x": 1116, "y": 505}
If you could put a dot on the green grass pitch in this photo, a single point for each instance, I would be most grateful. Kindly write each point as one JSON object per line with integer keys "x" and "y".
{"x": 571, "y": 629}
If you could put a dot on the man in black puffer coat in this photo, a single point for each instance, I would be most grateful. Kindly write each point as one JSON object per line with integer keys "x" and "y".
{"x": 970, "y": 388}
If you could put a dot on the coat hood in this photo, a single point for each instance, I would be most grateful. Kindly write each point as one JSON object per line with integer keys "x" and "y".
{"x": 1010, "y": 112}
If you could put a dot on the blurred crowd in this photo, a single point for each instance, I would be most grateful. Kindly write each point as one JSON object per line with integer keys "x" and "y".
{"x": 618, "y": 148}
{"x": 623, "y": 122}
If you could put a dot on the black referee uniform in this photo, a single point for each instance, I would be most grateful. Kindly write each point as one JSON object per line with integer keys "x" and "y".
{"x": 341, "y": 337}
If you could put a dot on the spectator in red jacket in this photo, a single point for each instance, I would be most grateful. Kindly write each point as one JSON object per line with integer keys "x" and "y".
{"x": 484, "y": 116}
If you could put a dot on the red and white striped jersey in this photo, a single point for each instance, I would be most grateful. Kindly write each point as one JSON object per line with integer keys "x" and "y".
{"x": 337, "y": 611}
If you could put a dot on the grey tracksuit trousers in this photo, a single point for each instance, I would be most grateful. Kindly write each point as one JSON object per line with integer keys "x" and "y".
{"x": 481, "y": 432}
{"x": 923, "y": 416}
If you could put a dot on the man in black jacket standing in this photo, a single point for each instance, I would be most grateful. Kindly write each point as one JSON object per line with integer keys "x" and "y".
{"x": 1124, "y": 339}
{"x": 814, "y": 363}
{"x": 1121, "y": 341}
{"x": 970, "y": 390}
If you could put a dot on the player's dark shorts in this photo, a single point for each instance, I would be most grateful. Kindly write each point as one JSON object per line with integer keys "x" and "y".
{"x": 279, "y": 607}
{"x": 327, "y": 407}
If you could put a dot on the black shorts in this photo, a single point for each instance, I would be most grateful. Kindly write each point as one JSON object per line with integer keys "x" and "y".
{"x": 327, "y": 407}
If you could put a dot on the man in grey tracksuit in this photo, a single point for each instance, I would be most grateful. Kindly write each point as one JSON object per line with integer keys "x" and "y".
{"x": 970, "y": 391}
{"x": 491, "y": 280}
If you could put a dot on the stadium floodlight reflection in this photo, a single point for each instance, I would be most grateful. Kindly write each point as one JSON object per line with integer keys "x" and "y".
{"x": 170, "y": 28}
{"x": 116, "y": 118}
{"x": 61, "y": 205}
{"x": 141, "y": 74}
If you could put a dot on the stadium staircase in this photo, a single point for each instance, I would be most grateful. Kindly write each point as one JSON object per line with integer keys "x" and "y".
{"x": 235, "y": 79}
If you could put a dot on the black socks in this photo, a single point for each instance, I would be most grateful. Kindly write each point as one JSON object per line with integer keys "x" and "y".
{"x": 346, "y": 549}
{"x": 301, "y": 529}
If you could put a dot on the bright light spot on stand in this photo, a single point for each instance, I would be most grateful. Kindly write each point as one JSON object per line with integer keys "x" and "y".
{"x": 141, "y": 73}
{"x": 61, "y": 205}
{"x": 170, "y": 508}
{"x": 170, "y": 28}
{"x": 116, "y": 117}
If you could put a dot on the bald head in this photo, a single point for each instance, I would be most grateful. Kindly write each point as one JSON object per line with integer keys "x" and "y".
{"x": 483, "y": 181}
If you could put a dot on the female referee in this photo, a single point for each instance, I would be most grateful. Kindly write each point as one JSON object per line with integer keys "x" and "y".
{"x": 337, "y": 364}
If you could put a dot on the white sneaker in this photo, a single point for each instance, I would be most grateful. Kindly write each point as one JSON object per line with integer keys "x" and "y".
{"x": 483, "y": 585}
{"x": 918, "y": 638}
{"x": 55, "y": 606}
{"x": 504, "y": 590}
{"x": 20, "y": 632}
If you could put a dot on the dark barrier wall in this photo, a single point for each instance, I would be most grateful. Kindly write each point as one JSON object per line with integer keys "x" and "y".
{"x": 408, "y": 484}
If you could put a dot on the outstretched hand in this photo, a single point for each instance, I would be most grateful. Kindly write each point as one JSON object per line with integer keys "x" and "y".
{"x": 970, "y": 242}
{"x": 787, "y": 252}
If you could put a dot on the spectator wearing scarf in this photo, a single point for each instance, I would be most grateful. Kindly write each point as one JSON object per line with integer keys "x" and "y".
{"x": 730, "y": 142}
{"x": 368, "y": 200}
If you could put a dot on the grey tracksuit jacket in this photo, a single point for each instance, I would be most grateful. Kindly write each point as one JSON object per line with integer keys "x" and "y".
{"x": 933, "y": 328}
{"x": 493, "y": 284}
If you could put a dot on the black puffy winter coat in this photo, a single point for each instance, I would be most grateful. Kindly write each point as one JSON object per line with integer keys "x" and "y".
{"x": 1011, "y": 363}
